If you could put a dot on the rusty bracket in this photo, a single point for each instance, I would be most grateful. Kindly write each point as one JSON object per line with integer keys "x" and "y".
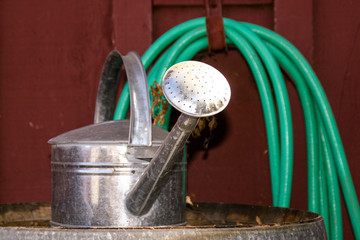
{"x": 215, "y": 25}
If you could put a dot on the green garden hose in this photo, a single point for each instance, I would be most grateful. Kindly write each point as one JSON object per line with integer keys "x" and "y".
{"x": 265, "y": 50}
{"x": 310, "y": 125}
{"x": 327, "y": 117}
{"x": 333, "y": 189}
{"x": 268, "y": 105}
{"x": 334, "y": 217}
{"x": 324, "y": 206}
{"x": 283, "y": 105}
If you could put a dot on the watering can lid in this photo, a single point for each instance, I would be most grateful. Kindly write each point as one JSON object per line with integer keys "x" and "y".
{"x": 109, "y": 132}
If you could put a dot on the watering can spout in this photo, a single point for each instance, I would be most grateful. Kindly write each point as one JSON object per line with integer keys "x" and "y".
{"x": 143, "y": 195}
{"x": 202, "y": 91}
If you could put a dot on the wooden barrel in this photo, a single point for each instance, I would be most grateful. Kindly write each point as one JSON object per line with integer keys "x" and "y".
{"x": 204, "y": 221}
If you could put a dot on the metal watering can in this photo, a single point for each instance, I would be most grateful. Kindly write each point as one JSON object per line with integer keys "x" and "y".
{"x": 130, "y": 173}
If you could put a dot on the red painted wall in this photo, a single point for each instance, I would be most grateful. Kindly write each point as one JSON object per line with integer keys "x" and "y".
{"x": 51, "y": 55}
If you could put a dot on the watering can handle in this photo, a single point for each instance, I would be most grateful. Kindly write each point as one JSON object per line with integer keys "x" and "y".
{"x": 140, "y": 111}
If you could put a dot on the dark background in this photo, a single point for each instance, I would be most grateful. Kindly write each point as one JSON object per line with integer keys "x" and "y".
{"x": 51, "y": 56}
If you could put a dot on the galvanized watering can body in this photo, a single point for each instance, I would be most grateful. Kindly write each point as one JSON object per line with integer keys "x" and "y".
{"x": 91, "y": 176}
{"x": 95, "y": 167}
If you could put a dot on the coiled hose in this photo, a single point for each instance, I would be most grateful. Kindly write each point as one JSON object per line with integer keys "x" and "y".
{"x": 265, "y": 51}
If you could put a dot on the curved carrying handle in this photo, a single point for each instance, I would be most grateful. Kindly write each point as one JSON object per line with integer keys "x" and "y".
{"x": 140, "y": 111}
